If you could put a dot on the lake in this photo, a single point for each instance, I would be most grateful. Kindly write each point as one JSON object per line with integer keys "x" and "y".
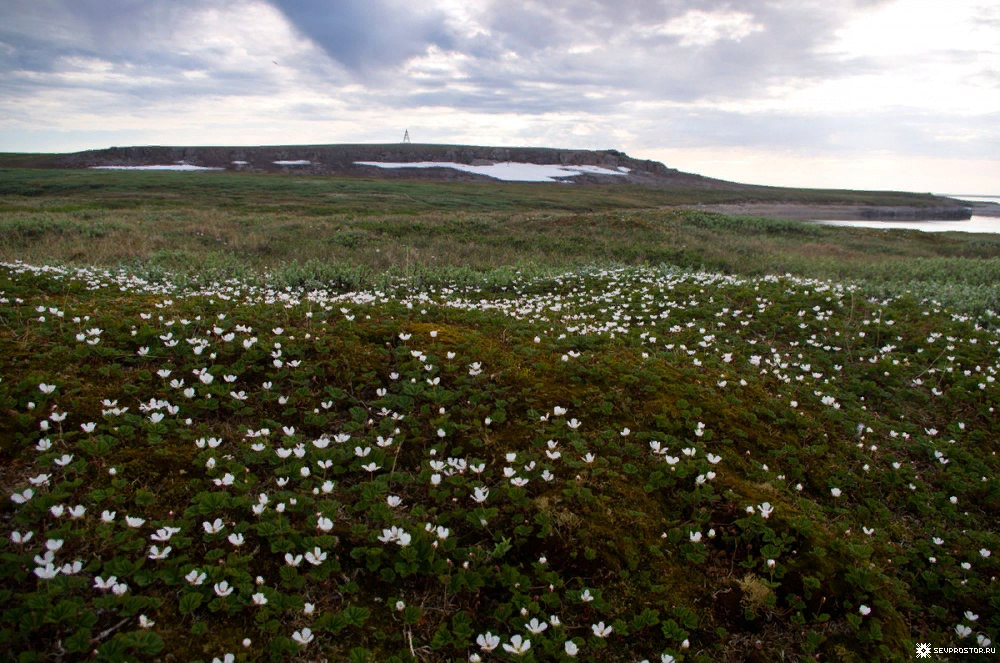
{"x": 977, "y": 224}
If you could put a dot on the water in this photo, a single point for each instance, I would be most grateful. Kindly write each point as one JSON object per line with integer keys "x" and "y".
{"x": 977, "y": 224}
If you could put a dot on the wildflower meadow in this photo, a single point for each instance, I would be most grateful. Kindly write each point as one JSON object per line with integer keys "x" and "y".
{"x": 619, "y": 463}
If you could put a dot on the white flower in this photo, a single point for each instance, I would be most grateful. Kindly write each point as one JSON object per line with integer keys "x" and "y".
{"x": 571, "y": 648}
{"x": 984, "y": 552}
{"x": 835, "y": 492}
{"x": 156, "y": 553}
{"x": 488, "y": 642}
{"x": 573, "y": 423}
{"x": 293, "y": 560}
{"x": 236, "y": 539}
{"x": 535, "y": 626}
{"x": 600, "y": 630}
{"x": 100, "y": 583}
{"x": 316, "y": 556}
{"x": 21, "y": 539}
{"x": 694, "y": 536}
{"x": 586, "y": 597}
{"x": 962, "y": 630}
{"x": 46, "y": 388}
{"x": 223, "y": 589}
{"x": 971, "y": 616}
{"x": 77, "y": 511}
{"x": 213, "y": 528}
{"x": 46, "y": 572}
{"x": 765, "y": 510}
{"x": 145, "y": 622}
{"x": 517, "y": 646}
{"x": 309, "y": 608}
{"x": 195, "y": 578}
{"x": 303, "y": 637}
{"x": 64, "y": 460}
{"x": 21, "y": 498}
{"x": 259, "y": 599}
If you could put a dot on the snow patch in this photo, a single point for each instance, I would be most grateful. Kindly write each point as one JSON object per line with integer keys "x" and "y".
{"x": 181, "y": 166}
{"x": 508, "y": 171}
{"x": 241, "y": 163}
{"x": 294, "y": 162}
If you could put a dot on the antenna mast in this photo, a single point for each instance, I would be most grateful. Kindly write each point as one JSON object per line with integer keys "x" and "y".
{"x": 406, "y": 136}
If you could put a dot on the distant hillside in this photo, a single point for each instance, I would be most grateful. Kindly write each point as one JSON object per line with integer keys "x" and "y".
{"x": 340, "y": 160}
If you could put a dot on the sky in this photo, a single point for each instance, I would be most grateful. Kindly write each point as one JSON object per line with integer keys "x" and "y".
{"x": 863, "y": 94}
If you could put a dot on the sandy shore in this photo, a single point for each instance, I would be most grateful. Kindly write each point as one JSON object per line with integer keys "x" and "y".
{"x": 801, "y": 211}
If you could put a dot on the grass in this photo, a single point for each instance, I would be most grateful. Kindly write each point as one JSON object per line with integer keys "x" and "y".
{"x": 302, "y": 229}
{"x": 717, "y": 467}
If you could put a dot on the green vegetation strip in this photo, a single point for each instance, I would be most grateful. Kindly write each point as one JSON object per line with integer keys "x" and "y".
{"x": 605, "y": 465}
{"x": 352, "y": 234}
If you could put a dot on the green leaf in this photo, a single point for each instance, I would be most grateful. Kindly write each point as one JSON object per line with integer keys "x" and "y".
{"x": 356, "y": 616}
{"x": 360, "y": 655}
{"x": 79, "y": 642}
{"x": 189, "y": 603}
{"x": 442, "y": 638}
{"x": 646, "y": 618}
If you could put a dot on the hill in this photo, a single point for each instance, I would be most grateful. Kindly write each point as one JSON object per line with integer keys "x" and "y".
{"x": 343, "y": 160}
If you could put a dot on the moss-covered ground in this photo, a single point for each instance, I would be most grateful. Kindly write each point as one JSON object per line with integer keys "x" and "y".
{"x": 732, "y": 469}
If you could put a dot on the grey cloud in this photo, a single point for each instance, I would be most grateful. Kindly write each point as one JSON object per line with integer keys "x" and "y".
{"x": 366, "y": 35}
{"x": 141, "y": 41}
{"x": 785, "y": 47}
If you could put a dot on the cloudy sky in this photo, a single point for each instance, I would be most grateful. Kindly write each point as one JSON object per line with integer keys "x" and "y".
{"x": 888, "y": 94}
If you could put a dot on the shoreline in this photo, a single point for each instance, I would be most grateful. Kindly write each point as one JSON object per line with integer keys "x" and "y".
{"x": 834, "y": 212}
